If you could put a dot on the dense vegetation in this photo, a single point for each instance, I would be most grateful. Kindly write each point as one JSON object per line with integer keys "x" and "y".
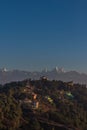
{"x": 60, "y": 106}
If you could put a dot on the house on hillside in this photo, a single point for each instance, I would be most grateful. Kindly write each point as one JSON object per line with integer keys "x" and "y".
{"x": 70, "y": 83}
{"x": 26, "y": 100}
{"x": 43, "y": 78}
{"x": 28, "y": 88}
{"x": 69, "y": 95}
{"x": 34, "y": 96}
{"x": 35, "y": 104}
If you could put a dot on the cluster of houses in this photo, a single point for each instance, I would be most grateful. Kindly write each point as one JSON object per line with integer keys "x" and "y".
{"x": 30, "y": 100}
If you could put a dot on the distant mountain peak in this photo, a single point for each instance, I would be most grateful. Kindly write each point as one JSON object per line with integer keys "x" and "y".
{"x": 4, "y": 70}
{"x": 59, "y": 70}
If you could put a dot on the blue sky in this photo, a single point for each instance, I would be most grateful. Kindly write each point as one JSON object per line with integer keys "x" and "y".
{"x": 37, "y": 34}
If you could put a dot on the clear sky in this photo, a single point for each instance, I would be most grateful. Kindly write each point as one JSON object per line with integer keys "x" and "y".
{"x": 35, "y": 34}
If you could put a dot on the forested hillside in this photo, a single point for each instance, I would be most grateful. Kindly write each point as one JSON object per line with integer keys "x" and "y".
{"x": 43, "y": 105}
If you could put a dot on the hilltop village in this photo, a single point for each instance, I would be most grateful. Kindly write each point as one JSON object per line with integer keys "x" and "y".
{"x": 33, "y": 98}
{"x": 43, "y": 105}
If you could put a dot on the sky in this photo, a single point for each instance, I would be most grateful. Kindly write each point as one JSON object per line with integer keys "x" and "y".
{"x": 35, "y": 34}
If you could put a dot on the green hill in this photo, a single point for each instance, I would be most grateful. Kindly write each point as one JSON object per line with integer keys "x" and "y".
{"x": 43, "y": 105}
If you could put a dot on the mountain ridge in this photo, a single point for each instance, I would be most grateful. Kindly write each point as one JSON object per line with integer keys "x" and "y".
{"x": 55, "y": 74}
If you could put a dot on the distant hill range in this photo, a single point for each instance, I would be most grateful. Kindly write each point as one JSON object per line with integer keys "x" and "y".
{"x": 55, "y": 74}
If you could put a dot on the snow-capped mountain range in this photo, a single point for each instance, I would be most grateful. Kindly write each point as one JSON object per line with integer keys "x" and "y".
{"x": 55, "y": 74}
